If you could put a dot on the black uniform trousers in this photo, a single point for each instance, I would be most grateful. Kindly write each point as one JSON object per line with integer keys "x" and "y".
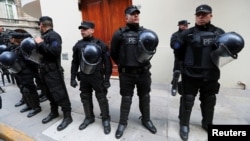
{"x": 190, "y": 88}
{"x": 128, "y": 81}
{"x": 88, "y": 84}
{"x": 27, "y": 87}
{"x": 56, "y": 90}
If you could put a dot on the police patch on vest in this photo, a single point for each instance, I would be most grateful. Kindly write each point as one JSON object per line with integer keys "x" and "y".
{"x": 207, "y": 40}
{"x": 131, "y": 41}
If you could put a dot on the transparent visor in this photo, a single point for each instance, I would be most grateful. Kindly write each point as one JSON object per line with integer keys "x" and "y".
{"x": 16, "y": 68}
{"x": 142, "y": 54}
{"x": 222, "y": 56}
{"x": 35, "y": 56}
{"x": 88, "y": 68}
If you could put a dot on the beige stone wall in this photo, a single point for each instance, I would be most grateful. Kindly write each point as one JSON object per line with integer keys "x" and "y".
{"x": 23, "y": 21}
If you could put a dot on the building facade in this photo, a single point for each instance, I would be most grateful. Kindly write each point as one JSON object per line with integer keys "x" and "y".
{"x": 160, "y": 16}
{"x": 12, "y": 17}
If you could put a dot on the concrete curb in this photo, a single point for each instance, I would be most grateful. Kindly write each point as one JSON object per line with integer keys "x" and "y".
{"x": 10, "y": 134}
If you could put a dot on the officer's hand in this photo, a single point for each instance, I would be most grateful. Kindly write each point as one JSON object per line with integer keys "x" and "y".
{"x": 106, "y": 84}
{"x": 73, "y": 83}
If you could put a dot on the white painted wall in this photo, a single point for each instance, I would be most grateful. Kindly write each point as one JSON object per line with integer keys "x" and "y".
{"x": 162, "y": 17}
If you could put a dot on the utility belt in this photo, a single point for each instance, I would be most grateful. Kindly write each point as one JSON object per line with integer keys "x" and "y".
{"x": 134, "y": 70}
{"x": 48, "y": 67}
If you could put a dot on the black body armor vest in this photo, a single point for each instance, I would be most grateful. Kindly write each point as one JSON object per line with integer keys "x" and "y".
{"x": 128, "y": 49}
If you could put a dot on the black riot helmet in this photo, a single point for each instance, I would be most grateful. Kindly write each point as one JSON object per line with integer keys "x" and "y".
{"x": 3, "y": 48}
{"x": 9, "y": 60}
{"x": 230, "y": 44}
{"x": 29, "y": 50}
{"x": 91, "y": 57}
{"x": 148, "y": 41}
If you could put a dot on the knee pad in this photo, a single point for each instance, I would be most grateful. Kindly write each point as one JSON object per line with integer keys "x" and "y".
{"x": 145, "y": 98}
{"x": 26, "y": 91}
{"x": 208, "y": 99}
{"x": 85, "y": 95}
{"x": 100, "y": 95}
{"x": 188, "y": 100}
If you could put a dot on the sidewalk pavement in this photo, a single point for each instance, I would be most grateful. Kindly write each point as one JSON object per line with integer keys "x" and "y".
{"x": 232, "y": 107}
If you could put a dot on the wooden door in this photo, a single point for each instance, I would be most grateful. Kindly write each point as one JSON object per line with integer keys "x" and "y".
{"x": 108, "y": 16}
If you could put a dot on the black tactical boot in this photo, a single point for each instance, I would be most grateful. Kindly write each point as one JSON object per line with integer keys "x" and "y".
{"x": 33, "y": 100}
{"x": 104, "y": 107}
{"x": 86, "y": 122}
{"x": 51, "y": 116}
{"x": 187, "y": 103}
{"x": 106, "y": 126}
{"x": 149, "y": 125}
{"x": 67, "y": 119}
{"x": 87, "y": 101}
{"x": 184, "y": 130}
{"x": 20, "y": 103}
{"x": 145, "y": 111}
{"x": 34, "y": 112}
{"x": 207, "y": 110}
{"x": 124, "y": 112}
{"x": 25, "y": 109}
{"x": 119, "y": 131}
{"x": 43, "y": 98}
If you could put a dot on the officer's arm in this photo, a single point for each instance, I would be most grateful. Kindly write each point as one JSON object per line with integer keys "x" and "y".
{"x": 173, "y": 41}
{"x": 74, "y": 63}
{"x": 52, "y": 45}
{"x": 115, "y": 46}
{"x": 107, "y": 63}
{"x": 180, "y": 51}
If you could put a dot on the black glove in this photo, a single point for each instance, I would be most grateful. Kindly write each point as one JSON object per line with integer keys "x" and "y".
{"x": 106, "y": 83}
{"x": 73, "y": 83}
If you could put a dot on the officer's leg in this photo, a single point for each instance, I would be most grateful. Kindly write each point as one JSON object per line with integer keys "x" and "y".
{"x": 25, "y": 99}
{"x": 207, "y": 110}
{"x": 124, "y": 113}
{"x": 21, "y": 101}
{"x": 41, "y": 86}
{"x": 127, "y": 86}
{"x": 186, "y": 109}
{"x": 53, "y": 108}
{"x": 87, "y": 102}
{"x": 66, "y": 109}
{"x": 104, "y": 106}
{"x": 67, "y": 119}
{"x": 208, "y": 102}
{"x": 143, "y": 85}
{"x": 33, "y": 100}
{"x": 144, "y": 105}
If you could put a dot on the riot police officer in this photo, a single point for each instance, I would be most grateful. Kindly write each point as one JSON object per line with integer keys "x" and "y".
{"x": 49, "y": 45}
{"x": 182, "y": 25}
{"x": 24, "y": 71}
{"x": 132, "y": 47}
{"x": 199, "y": 73}
{"x": 93, "y": 58}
